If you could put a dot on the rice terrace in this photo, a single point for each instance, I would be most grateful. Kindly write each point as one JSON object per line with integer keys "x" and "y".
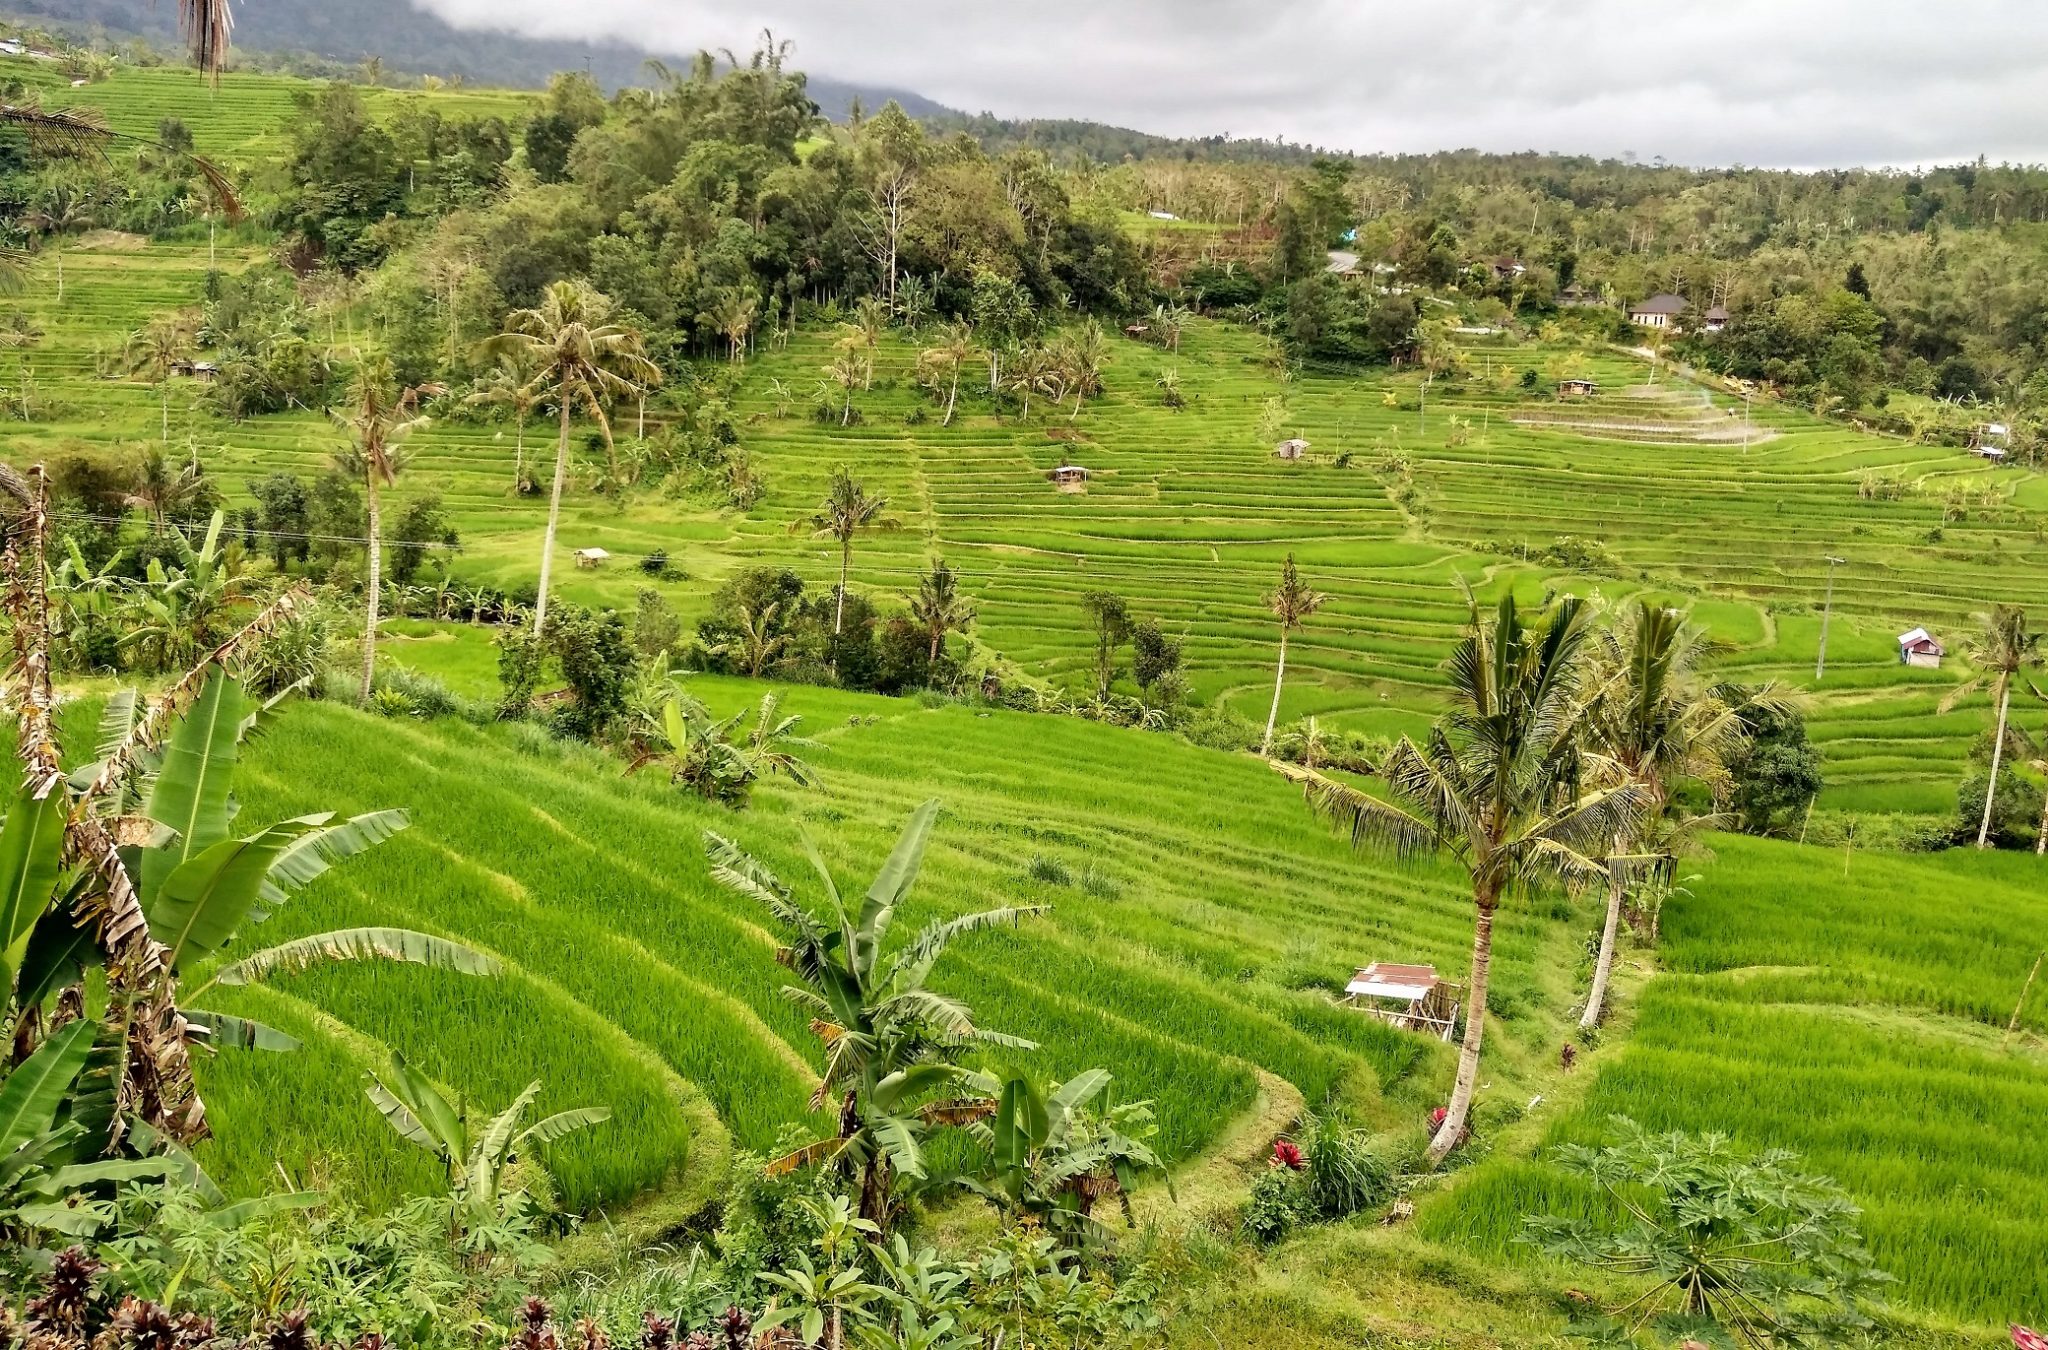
{"x": 687, "y": 704}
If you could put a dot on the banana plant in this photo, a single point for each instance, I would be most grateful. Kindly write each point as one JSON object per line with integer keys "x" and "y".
{"x": 51, "y": 1179}
{"x": 1055, "y": 1154}
{"x": 477, "y": 1157}
{"x": 891, "y": 1042}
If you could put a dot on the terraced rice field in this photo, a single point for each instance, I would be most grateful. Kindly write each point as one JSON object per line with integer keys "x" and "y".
{"x": 1195, "y": 947}
{"x": 1858, "y": 1019}
{"x": 1188, "y": 513}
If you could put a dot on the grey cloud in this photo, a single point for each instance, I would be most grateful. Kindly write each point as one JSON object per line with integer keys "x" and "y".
{"x": 1774, "y": 82}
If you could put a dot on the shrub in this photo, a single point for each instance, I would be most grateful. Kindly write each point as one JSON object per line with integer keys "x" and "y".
{"x": 1275, "y": 1206}
{"x": 2015, "y": 810}
{"x": 1344, "y": 1175}
{"x": 1049, "y": 870}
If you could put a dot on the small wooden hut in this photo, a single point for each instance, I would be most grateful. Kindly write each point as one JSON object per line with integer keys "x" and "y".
{"x": 1069, "y": 478}
{"x": 592, "y": 557}
{"x": 1577, "y": 388}
{"x": 1291, "y": 449}
{"x": 1919, "y": 648}
{"x": 1409, "y": 997}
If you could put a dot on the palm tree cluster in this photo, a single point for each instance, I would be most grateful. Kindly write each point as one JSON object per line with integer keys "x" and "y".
{"x": 1556, "y": 763}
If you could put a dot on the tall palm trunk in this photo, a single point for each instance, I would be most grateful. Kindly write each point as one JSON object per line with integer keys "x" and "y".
{"x": 1997, "y": 753}
{"x": 1603, "y": 967}
{"x": 1279, "y": 679}
{"x": 839, "y": 610}
{"x": 519, "y": 454}
{"x": 163, "y": 391}
{"x": 376, "y": 576}
{"x": 952, "y": 396}
{"x": 547, "y": 548}
{"x": 1460, "y": 1109}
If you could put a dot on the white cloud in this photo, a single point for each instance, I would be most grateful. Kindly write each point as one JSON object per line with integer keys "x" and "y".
{"x": 1774, "y": 82}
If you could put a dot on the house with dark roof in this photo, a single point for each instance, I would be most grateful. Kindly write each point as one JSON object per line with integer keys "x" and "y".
{"x": 1715, "y": 319}
{"x": 1659, "y": 311}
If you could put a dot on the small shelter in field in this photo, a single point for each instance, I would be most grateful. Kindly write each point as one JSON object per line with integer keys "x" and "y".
{"x": 1291, "y": 449}
{"x": 1135, "y": 330}
{"x": 1409, "y": 997}
{"x": 1988, "y": 436}
{"x": 1918, "y": 648}
{"x": 1069, "y": 478}
{"x": 1659, "y": 311}
{"x": 1577, "y": 388}
{"x": 592, "y": 557}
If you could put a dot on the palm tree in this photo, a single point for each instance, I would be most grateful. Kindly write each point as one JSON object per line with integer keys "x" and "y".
{"x": 1081, "y": 357}
{"x": 1495, "y": 788}
{"x": 509, "y": 387}
{"x": 1292, "y": 602}
{"x": 1659, "y": 721}
{"x": 733, "y": 317}
{"x": 870, "y": 319}
{"x": 890, "y": 1040}
{"x": 758, "y": 642}
{"x": 161, "y": 488}
{"x": 579, "y": 359}
{"x": 153, "y": 351}
{"x": 1999, "y": 653}
{"x": 940, "y": 364}
{"x": 1169, "y": 321}
{"x": 846, "y": 511}
{"x": 1033, "y": 371}
{"x": 846, "y": 370}
{"x": 380, "y": 418}
{"x": 938, "y": 607}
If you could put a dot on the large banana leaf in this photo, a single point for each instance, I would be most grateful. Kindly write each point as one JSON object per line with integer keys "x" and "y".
{"x": 562, "y": 1122}
{"x": 400, "y": 1116}
{"x": 57, "y": 954}
{"x": 1022, "y": 1122}
{"x": 198, "y": 906}
{"x": 31, "y": 854}
{"x": 496, "y": 1140}
{"x": 417, "y": 1093}
{"x": 240, "y": 1033}
{"x": 96, "y": 1093}
{"x": 313, "y": 854}
{"x": 35, "y": 1088}
{"x": 191, "y": 791}
{"x": 78, "y": 1221}
{"x": 403, "y": 945}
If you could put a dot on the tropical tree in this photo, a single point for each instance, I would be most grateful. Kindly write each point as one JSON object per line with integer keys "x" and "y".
{"x": 2000, "y": 652}
{"x": 1496, "y": 788}
{"x": 1081, "y": 355}
{"x": 177, "y": 612}
{"x": 1169, "y": 321}
{"x": 161, "y": 487}
{"x": 733, "y": 317}
{"x": 580, "y": 359}
{"x": 1109, "y": 614}
{"x": 1291, "y": 602}
{"x": 938, "y": 366}
{"x": 938, "y": 607}
{"x": 846, "y": 513}
{"x": 1659, "y": 720}
{"x": 890, "y": 1040}
{"x": 479, "y": 1154}
{"x": 870, "y": 321}
{"x": 380, "y": 418}
{"x": 1059, "y": 1151}
{"x": 153, "y": 351}
{"x": 1033, "y": 371}
{"x": 1170, "y": 392}
{"x": 509, "y": 388}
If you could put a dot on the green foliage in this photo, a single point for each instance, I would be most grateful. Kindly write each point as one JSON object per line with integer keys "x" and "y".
{"x": 1728, "y": 1241}
{"x": 1776, "y": 774}
{"x": 597, "y": 664}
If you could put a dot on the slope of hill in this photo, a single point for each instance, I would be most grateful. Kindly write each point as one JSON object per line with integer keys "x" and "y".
{"x": 408, "y": 39}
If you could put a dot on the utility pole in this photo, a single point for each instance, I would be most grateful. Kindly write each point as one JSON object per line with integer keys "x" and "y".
{"x": 1745, "y": 421}
{"x": 1820, "y": 663}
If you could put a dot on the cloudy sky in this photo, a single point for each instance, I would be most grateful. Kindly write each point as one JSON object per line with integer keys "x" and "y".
{"x": 1776, "y": 82}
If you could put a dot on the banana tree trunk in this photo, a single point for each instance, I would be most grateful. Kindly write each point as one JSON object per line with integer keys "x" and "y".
{"x": 1603, "y": 967}
{"x": 1279, "y": 679}
{"x": 1997, "y": 753}
{"x": 375, "y": 505}
{"x": 1460, "y": 1109}
{"x": 547, "y": 547}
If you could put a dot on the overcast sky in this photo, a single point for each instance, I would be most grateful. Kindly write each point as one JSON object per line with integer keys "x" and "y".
{"x": 1804, "y": 83}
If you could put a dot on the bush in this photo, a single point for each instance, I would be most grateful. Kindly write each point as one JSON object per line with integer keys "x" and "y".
{"x": 1049, "y": 870}
{"x": 520, "y": 655}
{"x": 1276, "y": 1205}
{"x": 2015, "y": 810}
{"x": 1344, "y": 1175}
{"x": 1218, "y": 729}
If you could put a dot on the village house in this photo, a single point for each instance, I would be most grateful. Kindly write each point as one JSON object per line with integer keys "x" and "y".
{"x": 1918, "y": 648}
{"x": 1716, "y": 319}
{"x": 1659, "y": 311}
{"x": 1577, "y": 388}
{"x": 1505, "y": 269}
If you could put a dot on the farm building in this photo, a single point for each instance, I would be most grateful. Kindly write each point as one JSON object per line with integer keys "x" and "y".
{"x": 1409, "y": 997}
{"x": 1577, "y": 388}
{"x": 1577, "y": 297}
{"x": 1291, "y": 449}
{"x": 1162, "y": 215}
{"x": 1990, "y": 436}
{"x": 1659, "y": 311}
{"x": 1505, "y": 268}
{"x": 197, "y": 370}
{"x": 1069, "y": 478}
{"x": 1715, "y": 319}
{"x": 592, "y": 557}
{"x": 1918, "y": 648}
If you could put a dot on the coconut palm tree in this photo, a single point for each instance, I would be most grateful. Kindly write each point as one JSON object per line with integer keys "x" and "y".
{"x": 1292, "y": 602}
{"x": 161, "y": 487}
{"x": 509, "y": 387}
{"x": 733, "y": 317}
{"x": 890, "y": 1040}
{"x": 1658, "y": 720}
{"x": 847, "y": 511}
{"x": 847, "y": 370}
{"x": 579, "y": 359}
{"x": 870, "y": 321}
{"x": 380, "y": 418}
{"x": 939, "y": 365}
{"x": 938, "y": 607}
{"x": 1495, "y": 788}
{"x": 1081, "y": 356}
{"x": 153, "y": 351}
{"x": 2000, "y": 652}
